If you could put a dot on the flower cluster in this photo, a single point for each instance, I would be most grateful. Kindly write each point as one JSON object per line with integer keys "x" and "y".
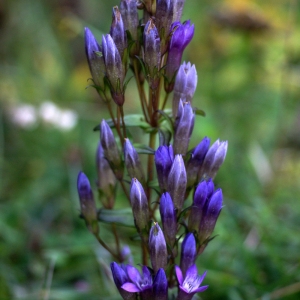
{"x": 184, "y": 193}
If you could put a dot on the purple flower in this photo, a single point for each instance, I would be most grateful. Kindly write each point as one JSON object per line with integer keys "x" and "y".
{"x": 87, "y": 203}
{"x": 190, "y": 283}
{"x": 185, "y": 85}
{"x": 214, "y": 158}
{"x": 160, "y": 286}
{"x": 164, "y": 158}
{"x": 177, "y": 182}
{"x": 184, "y": 126}
{"x": 188, "y": 253}
{"x": 183, "y": 34}
{"x": 139, "y": 283}
{"x": 114, "y": 68}
{"x": 157, "y": 248}
{"x": 117, "y": 31}
{"x": 168, "y": 218}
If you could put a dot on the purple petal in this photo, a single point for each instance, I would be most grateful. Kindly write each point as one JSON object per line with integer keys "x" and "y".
{"x": 201, "y": 289}
{"x": 191, "y": 273}
{"x": 133, "y": 274}
{"x": 130, "y": 287}
{"x": 179, "y": 275}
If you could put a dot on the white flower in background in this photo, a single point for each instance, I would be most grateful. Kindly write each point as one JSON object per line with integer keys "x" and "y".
{"x": 24, "y": 115}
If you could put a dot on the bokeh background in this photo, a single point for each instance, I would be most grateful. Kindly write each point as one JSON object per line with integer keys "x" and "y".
{"x": 247, "y": 54}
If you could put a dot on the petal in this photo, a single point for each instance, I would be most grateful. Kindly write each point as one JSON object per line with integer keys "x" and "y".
{"x": 133, "y": 274}
{"x": 179, "y": 275}
{"x": 146, "y": 274}
{"x": 130, "y": 287}
{"x": 191, "y": 273}
{"x": 201, "y": 289}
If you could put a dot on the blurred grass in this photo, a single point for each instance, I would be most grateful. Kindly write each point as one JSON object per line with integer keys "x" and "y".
{"x": 247, "y": 55}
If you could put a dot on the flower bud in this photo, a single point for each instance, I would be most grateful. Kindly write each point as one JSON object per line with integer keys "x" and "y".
{"x": 132, "y": 162}
{"x": 210, "y": 215}
{"x": 184, "y": 126}
{"x": 177, "y": 182}
{"x": 157, "y": 248}
{"x": 177, "y": 7}
{"x": 196, "y": 212}
{"x": 182, "y": 35}
{"x": 188, "y": 252}
{"x": 139, "y": 205}
{"x": 87, "y": 203}
{"x": 185, "y": 85}
{"x": 160, "y": 286}
{"x": 110, "y": 149}
{"x": 152, "y": 54}
{"x": 120, "y": 277}
{"x": 214, "y": 158}
{"x": 195, "y": 161}
{"x": 96, "y": 63}
{"x": 106, "y": 178}
{"x": 168, "y": 218}
{"x": 163, "y": 158}
{"x": 114, "y": 69}
{"x": 117, "y": 31}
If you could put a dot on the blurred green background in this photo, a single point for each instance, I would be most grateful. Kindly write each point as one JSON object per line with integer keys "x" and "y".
{"x": 247, "y": 54}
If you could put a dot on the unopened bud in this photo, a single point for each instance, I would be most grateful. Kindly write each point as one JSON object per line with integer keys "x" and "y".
{"x": 160, "y": 286}
{"x": 188, "y": 252}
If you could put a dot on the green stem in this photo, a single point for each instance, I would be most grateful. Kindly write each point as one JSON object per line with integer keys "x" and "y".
{"x": 150, "y": 166}
{"x": 114, "y": 121}
{"x": 123, "y": 122}
{"x": 107, "y": 248}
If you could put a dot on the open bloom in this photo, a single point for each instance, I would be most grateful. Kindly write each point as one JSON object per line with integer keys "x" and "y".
{"x": 190, "y": 284}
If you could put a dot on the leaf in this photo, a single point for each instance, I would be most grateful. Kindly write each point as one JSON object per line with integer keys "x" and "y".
{"x": 143, "y": 149}
{"x": 121, "y": 217}
{"x": 199, "y": 112}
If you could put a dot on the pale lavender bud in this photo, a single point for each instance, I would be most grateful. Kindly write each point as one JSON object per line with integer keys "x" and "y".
{"x": 210, "y": 215}
{"x": 168, "y": 218}
{"x": 120, "y": 277}
{"x": 152, "y": 54}
{"x": 114, "y": 68}
{"x": 130, "y": 17}
{"x": 87, "y": 203}
{"x": 110, "y": 148}
{"x": 177, "y": 182}
{"x": 132, "y": 162}
{"x": 160, "y": 286}
{"x": 185, "y": 85}
{"x": 106, "y": 178}
{"x": 183, "y": 34}
{"x": 197, "y": 208}
{"x": 117, "y": 31}
{"x": 184, "y": 126}
{"x": 195, "y": 161}
{"x": 164, "y": 158}
{"x": 188, "y": 252}
{"x": 214, "y": 158}
{"x": 157, "y": 248}
{"x": 177, "y": 7}
{"x": 139, "y": 205}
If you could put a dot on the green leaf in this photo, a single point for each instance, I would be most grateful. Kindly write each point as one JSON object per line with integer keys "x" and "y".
{"x": 199, "y": 112}
{"x": 121, "y": 217}
{"x": 143, "y": 149}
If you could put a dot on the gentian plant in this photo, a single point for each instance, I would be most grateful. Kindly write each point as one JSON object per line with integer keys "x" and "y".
{"x": 173, "y": 200}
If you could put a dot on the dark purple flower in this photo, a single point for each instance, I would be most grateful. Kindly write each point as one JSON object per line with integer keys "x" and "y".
{"x": 164, "y": 158}
{"x": 139, "y": 205}
{"x": 188, "y": 252}
{"x": 214, "y": 159}
{"x": 120, "y": 278}
{"x": 185, "y": 85}
{"x": 190, "y": 283}
{"x": 182, "y": 35}
{"x": 110, "y": 148}
{"x": 177, "y": 182}
{"x": 184, "y": 126}
{"x": 157, "y": 248}
{"x": 117, "y": 31}
{"x": 152, "y": 54}
{"x": 210, "y": 216}
{"x": 160, "y": 286}
{"x": 168, "y": 218}
{"x": 87, "y": 203}
{"x": 132, "y": 162}
{"x": 195, "y": 161}
{"x": 114, "y": 68}
{"x": 139, "y": 283}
